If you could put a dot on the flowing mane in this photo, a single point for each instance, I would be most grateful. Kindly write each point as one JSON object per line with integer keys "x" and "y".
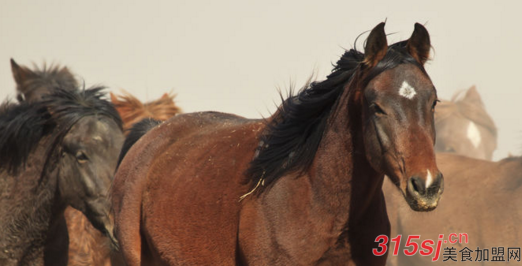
{"x": 293, "y": 134}
{"x": 133, "y": 110}
{"x": 23, "y": 125}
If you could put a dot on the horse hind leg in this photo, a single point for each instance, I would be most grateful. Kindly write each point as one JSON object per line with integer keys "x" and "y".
{"x": 127, "y": 188}
{"x": 128, "y": 223}
{"x": 127, "y": 200}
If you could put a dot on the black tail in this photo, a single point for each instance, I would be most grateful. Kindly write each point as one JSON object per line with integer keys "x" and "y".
{"x": 135, "y": 133}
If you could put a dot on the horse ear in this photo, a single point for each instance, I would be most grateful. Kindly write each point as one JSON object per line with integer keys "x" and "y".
{"x": 472, "y": 96}
{"x": 376, "y": 46}
{"x": 165, "y": 96}
{"x": 20, "y": 74}
{"x": 66, "y": 70}
{"x": 114, "y": 99}
{"x": 419, "y": 44}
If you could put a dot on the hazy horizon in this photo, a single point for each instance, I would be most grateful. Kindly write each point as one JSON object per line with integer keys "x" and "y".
{"x": 231, "y": 56}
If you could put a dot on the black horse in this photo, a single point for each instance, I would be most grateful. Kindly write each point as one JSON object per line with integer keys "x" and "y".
{"x": 54, "y": 153}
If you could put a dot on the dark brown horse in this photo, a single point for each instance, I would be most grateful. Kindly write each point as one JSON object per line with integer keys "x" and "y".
{"x": 309, "y": 177}
{"x": 54, "y": 153}
{"x": 87, "y": 246}
{"x": 487, "y": 211}
{"x": 33, "y": 85}
{"x": 464, "y": 127}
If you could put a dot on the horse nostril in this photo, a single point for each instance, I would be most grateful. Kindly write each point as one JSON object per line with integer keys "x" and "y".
{"x": 417, "y": 185}
{"x": 438, "y": 185}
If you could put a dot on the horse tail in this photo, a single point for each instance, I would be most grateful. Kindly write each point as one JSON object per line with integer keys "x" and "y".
{"x": 135, "y": 133}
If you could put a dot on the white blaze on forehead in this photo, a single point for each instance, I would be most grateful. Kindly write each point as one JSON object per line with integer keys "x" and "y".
{"x": 407, "y": 90}
{"x": 429, "y": 179}
{"x": 474, "y": 134}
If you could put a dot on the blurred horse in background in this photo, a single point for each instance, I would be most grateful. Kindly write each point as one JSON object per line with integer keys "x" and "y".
{"x": 57, "y": 152}
{"x": 464, "y": 127}
{"x": 133, "y": 110}
{"x": 481, "y": 199}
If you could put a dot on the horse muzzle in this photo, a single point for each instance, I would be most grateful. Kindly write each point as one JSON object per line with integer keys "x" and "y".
{"x": 423, "y": 194}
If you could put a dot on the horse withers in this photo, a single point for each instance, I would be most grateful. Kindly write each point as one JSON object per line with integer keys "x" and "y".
{"x": 309, "y": 177}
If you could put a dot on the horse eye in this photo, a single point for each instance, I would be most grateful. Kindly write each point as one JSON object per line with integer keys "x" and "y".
{"x": 81, "y": 157}
{"x": 434, "y": 104}
{"x": 377, "y": 109}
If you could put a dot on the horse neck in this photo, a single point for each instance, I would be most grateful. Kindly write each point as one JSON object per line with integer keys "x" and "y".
{"x": 341, "y": 173}
{"x": 34, "y": 206}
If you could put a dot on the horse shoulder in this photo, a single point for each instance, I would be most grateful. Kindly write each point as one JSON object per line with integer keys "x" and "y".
{"x": 268, "y": 234}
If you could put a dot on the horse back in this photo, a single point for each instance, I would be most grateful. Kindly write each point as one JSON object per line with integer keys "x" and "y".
{"x": 189, "y": 167}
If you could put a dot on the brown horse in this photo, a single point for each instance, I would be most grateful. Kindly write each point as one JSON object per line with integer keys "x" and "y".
{"x": 464, "y": 127}
{"x": 133, "y": 110}
{"x": 89, "y": 246}
{"x": 487, "y": 211}
{"x": 54, "y": 153}
{"x": 310, "y": 175}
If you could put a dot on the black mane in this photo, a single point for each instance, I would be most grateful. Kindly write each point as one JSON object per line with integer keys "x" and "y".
{"x": 23, "y": 125}
{"x": 21, "y": 128}
{"x": 292, "y": 137}
{"x": 135, "y": 133}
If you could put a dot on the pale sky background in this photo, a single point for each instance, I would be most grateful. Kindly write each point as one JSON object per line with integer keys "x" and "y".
{"x": 231, "y": 56}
